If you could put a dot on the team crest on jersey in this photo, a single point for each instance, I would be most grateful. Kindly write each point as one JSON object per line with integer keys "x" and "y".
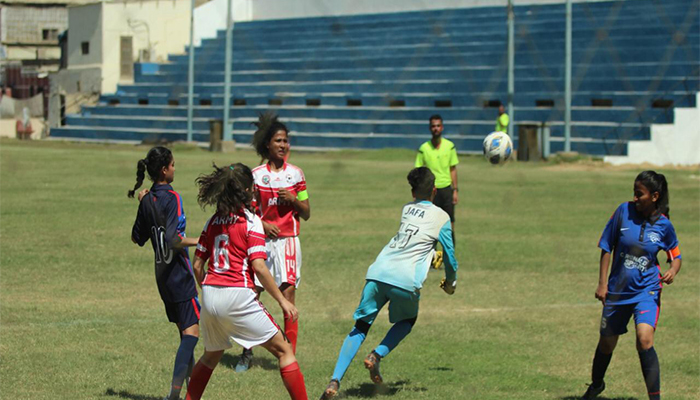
{"x": 654, "y": 237}
{"x": 266, "y": 179}
{"x": 289, "y": 178}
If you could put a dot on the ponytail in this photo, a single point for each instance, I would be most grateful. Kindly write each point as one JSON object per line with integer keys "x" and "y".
{"x": 140, "y": 174}
{"x": 156, "y": 159}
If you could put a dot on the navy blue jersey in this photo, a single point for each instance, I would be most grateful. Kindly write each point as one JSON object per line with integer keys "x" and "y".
{"x": 635, "y": 242}
{"x": 161, "y": 219}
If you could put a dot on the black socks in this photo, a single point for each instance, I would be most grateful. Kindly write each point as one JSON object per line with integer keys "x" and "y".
{"x": 650, "y": 369}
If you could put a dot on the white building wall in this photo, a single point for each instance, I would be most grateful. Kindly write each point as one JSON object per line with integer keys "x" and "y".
{"x": 168, "y": 27}
{"x": 85, "y": 25}
{"x": 211, "y": 17}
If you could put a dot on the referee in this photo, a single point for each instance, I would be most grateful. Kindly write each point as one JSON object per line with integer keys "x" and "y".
{"x": 440, "y": 156}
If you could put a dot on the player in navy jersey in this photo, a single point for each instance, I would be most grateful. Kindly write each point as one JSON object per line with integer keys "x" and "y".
{"x": 161, "y": 219}
{"x": 233, "y": 242}
{"x": 396, "y": 277}
{"x": 633, "y": 236}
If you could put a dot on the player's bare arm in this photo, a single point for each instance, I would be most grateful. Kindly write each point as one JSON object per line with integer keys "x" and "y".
{"x": 670, "y": 275}
{"x": 602, "y": 289}
{"x": 268, "y": 283}
{"x": 455, "y": 187}
{"x": 302, "y": 207}
{"x": 198, "y": 268}
{"x": 187, "y": 242}
{"x": 271, "y": 230}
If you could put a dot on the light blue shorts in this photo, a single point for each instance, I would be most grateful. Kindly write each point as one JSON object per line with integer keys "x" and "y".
{"x": 402, "y": 303}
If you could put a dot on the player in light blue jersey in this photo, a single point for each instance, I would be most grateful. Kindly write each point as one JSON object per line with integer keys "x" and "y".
{"x": 397, "y": 275}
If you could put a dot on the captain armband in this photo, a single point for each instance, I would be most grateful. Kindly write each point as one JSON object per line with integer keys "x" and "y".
{"x": 303, "y": 195}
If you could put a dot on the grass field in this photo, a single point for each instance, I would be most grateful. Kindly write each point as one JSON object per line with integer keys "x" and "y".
{"x": 81, "y": 317}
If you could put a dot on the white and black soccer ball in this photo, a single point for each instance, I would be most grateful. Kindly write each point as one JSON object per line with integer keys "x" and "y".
{"x": 498, "y": 147}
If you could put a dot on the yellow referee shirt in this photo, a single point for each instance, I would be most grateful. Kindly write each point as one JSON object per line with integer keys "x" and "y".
{"x": 438, "y": 160}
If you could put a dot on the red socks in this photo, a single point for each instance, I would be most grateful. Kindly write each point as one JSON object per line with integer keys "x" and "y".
{"x": 198, "y": 381}
{"x": 291, "y": 330}
{"x": 291, "y": 376}
{"x": 293, "y": 381}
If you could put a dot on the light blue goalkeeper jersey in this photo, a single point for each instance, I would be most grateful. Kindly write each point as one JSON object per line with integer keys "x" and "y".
{"x": 405, "y": 261}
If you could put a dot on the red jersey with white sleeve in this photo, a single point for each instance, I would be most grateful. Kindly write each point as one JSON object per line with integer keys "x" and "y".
{"x": 230, "y": 243}
{"x": 268, "y": 184}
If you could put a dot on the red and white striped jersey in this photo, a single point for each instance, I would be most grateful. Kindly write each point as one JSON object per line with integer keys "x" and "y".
{"x": 267, "y": 186}
{"x": 230, "y": 243}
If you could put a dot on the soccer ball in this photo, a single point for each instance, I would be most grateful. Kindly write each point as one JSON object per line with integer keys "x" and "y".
{"x": 498, "y": 147}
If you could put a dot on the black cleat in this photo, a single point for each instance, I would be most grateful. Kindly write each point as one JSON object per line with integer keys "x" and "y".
{"x": 593, "y": 391}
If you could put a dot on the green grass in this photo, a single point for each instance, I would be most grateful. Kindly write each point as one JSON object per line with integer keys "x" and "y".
{"x": 81, "y": 317}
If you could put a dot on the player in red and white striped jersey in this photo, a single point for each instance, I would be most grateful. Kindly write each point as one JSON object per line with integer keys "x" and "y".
{"x": 233, "y": 241}
{"x": 282, "y": 201}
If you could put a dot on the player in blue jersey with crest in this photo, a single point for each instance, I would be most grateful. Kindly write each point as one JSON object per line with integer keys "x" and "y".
{"x": 161, "y": 219}
{"x": 633, "y": 236}
{"x": 397, "y": 275}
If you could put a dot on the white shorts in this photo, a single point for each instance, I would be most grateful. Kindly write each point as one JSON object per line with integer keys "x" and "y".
{"x": 233, "y": 313}
{"x": 283, "y": 260}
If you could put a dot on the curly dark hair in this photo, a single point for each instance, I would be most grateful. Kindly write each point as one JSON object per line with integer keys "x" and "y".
{"x": 267, "y": 125}
{"x": 229, "y": 188}
{"x": 157, "y": 158}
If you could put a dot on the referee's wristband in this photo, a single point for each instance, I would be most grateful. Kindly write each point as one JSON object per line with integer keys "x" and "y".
{"x": 455, "y": 189}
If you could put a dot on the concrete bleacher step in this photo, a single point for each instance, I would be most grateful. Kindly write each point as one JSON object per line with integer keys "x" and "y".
{"x": 642, "y": 100}
{"x": 612, "y": 114}
{"x": 615, "y": 39}
{"x": 429, "y": 58}
{"x": 619, "y": 71}
{"x": 420, "y": 86}
{"x": 590, "y": 10}
{"x": 452, "y": 20}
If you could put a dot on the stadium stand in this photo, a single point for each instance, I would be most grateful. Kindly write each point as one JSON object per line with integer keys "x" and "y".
{"x": 371, "y": 81}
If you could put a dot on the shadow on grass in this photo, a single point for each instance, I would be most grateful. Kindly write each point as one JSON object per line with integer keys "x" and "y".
{"x": 599, "y": 398}
{"x": 367, "y": 390}
{"x": 229, "y": 361}
{"x": 441, "y": 369}
{"x": 127, "y": 395}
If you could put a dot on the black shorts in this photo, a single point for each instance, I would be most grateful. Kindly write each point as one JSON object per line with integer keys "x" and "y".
{"x": 443, "y": 199}
{"x": 184, "y": 313}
